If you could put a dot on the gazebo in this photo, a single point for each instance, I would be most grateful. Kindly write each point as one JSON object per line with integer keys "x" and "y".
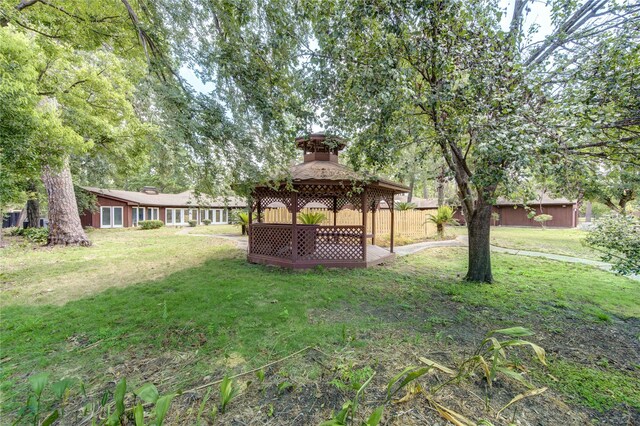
{"x": 320, "y": 179}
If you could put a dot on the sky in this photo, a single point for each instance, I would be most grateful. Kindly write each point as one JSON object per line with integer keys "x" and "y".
{"x": 538, "y": 15}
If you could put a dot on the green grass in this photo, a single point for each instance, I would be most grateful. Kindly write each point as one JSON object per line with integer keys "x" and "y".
{"x": 567, "y": 242}
{"x": 192, "y": 305}
{"x": 598, "y": 388}
{"x": 216, "y": 229}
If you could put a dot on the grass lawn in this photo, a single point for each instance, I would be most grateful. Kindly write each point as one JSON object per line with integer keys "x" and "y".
{"x": 562, "y": 241}
{"x": 181, "y": 311}
{"x": 215, "y": 229}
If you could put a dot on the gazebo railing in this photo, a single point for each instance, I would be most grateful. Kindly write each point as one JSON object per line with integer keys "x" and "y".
{"x": 313, "y": 243}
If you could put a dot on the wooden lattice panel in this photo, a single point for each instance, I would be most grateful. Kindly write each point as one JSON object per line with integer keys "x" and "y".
{"x": 266, "y": 196}
{"x": 271, "y": 240}
{"x": 375, "y": 195}
{"x": 343, "y": 243}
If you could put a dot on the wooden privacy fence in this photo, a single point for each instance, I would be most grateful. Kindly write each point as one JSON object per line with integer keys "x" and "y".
{"x": 408, "y": 223}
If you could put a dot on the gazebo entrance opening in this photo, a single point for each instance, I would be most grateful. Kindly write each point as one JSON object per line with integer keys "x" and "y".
{"x": 320, "y": 179}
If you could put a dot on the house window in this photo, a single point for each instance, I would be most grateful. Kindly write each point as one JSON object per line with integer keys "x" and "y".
{"x": 193, "y": 214}
{"x": 153, "y": 213}
{"x": 178, "y": 218}
{"x": 218, "y": 216}
{"x": 138, "y": 215}
{"x": 169, "y": 217}
{"x": 111, "y": 217}
{"x": 224, "y": 216}
{"x": 105, "y": 217}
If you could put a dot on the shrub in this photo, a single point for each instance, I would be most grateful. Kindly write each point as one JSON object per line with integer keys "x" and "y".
{"x": 443, "y": 217}
{"x": 403, "y": 206}
{"x": 311, "y": 218}
{"x": 206, "y": 222}
{"x": 35, "y": 235}
{"x": 617, "y": 237}
{"x": 14, "y": 231}
{"x": 193, "y": 223}
{"x": 542, "y": 219}
{"x": 150, "y": 224}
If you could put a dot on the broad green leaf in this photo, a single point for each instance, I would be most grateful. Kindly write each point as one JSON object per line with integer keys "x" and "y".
{"x": 60, "y": 387}
{"x": 148, "y": 393}
{"x": 162, "y": 407}
{"x": 138, "y": 415}
{"x": 375, "y": 417}
{"x": 52, "y": 418}
{"x": 118, "y": 396}
{"x": 38, "y": 382}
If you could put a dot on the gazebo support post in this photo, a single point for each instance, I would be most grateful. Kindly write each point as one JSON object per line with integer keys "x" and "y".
{"x": 392, "y": 207}
{"x": 373, "y": 224}
{"x": 335, "y": 211}
{"x": 294, "y": 226}
{"x": 259, "y": 213}
{"x": 363, "y": 202}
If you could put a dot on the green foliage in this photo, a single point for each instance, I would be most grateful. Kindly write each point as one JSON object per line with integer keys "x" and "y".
{"x": 34, "y": 235}
{"x": 443, "y": 217}
{"x": 86, "y": 201}
{"x": 542, "y": 219}
{"x": 403, "y": 206}
{"x": 193, "y": 223}
{"x": 617, "y": 237}
{"x": 228, "y": 391}
{"x": 206, "y": 222}
{"x": 150, "y": 224}
{"x": 311, "y": 218}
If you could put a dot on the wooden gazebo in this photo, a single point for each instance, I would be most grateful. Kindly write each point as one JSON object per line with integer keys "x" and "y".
{"x": 320, "y": 179}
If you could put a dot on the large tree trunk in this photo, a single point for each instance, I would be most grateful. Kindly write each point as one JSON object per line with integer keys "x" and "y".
{"x": 588, "y": 212}
{"x": 412, "y": 183}
{"x": 64, "y": 221}
{"x": 479, "y": 226}
{"x": 33, "y": 207}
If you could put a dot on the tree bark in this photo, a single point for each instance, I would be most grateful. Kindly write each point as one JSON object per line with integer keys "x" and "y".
{"x": 479, "y": 227}
{"x": 33, "y": 207}
{"x": 412, "y": 183}
{"x": 588, "y": 212}
{"x": 440, "y": 187}
{"x": 64, "y": 221}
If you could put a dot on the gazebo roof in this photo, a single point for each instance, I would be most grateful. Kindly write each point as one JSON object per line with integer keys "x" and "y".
{"x": 323, "y": 167}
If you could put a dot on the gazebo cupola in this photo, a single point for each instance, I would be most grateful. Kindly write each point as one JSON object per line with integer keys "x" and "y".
{"x": 321, "y": 180}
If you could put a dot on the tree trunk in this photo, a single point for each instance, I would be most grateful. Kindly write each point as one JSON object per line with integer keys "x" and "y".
{"x": 440, "y": 228}
{"x": 33, "y": 207}
{"x": 588, "y": 212}
{"x": 425, "y": 191}
{"x": 64, "y": 221}
{"x": 440, "y": 179}
{"x": 412, "y": 183}
{"x": 21, "y": 218}
{"x": 479, "y": 226}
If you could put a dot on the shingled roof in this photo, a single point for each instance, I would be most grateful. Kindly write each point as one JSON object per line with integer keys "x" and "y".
{"x": 182, "y": 199}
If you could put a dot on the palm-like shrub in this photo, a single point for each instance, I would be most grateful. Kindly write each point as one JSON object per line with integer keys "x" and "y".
{"x": 442, "y": 218}
{"x": 241, "y": 219}
{"x": 403, "y": 205}
{"x": 311, "y": 218}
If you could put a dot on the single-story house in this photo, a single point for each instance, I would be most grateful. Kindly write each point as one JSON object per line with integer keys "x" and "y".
{"x": 513, "y": 213}
{"x": 118, "y": 208}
